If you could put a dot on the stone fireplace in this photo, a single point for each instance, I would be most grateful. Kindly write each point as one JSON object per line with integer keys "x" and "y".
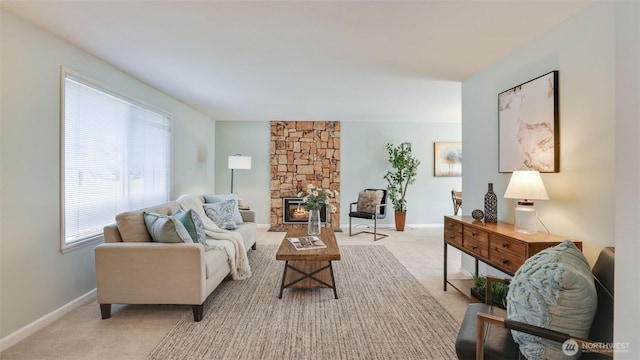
{"x": 302, "y": 153}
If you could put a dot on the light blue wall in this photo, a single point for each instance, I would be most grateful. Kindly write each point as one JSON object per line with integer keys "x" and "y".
{"x": 363, "y": 165}
{"x": 591, "y": 50}
{"x": 583, "y": 51}
{"x": 250, "y": 138}
{"x": 35, "y": 278}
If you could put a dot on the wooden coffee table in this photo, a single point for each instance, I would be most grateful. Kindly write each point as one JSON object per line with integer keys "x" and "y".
{"x": 308, "y": 268}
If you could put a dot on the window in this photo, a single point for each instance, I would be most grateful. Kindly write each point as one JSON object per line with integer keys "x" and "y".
{"x": 115, "y": 157}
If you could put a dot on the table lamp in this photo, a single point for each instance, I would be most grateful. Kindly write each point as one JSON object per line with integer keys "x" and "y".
{"x": 238, "y": 162}
{"x": 526, "y": 185}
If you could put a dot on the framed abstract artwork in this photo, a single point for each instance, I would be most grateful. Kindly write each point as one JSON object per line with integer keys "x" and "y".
{"x": 447, "y": 159}
{"x": 528, "y": 126}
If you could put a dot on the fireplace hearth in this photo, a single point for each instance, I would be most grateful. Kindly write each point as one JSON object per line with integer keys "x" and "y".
{"x": 295, "y": 213}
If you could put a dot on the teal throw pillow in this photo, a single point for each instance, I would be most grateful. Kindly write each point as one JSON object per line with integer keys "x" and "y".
{"x": 166, "y": 229}
{"x": 211, "y": 198}
{"x": 553, "y": 289}
{"x": 194, "y": 225}
{"x": 221, "y": 213}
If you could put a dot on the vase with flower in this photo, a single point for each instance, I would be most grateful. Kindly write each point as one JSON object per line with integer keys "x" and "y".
{"x": 314, "y": 199}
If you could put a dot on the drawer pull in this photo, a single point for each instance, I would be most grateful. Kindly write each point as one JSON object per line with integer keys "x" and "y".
{"x": 451, "y": 237}
{"x": 473, "y": 247}
{"x": 504, "y": 245}
{"x": 450, "y": 225}
{"x": 505, "y": 262}
{"x": 473, "y": 233}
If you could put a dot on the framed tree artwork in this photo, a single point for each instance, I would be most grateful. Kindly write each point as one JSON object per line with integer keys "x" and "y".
{"x": 447, "y": 159}
{"x": 528, "y": 119}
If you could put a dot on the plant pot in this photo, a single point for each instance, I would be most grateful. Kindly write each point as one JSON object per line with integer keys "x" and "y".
{"x": 401, "y": 217}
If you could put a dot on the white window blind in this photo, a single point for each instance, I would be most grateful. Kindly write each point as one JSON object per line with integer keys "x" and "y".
{"x": 116, "y": 157}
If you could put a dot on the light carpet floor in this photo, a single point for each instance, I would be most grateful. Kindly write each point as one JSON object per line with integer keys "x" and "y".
{"x": 382, "y": 313}
{"x": 134, "y": 331}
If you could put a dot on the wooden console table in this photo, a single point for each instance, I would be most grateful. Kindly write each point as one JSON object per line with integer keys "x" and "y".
{"x": 495, "y": 244}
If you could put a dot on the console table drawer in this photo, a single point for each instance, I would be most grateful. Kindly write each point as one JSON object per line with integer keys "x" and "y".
{"x": 453, "y": 238}
{"x": 501, "y": 244}
{"x": 480, "y": 236}
{"x": 505, "y": 260}
{"x": 453, "y": 227}
{"x": 476, "y": 247}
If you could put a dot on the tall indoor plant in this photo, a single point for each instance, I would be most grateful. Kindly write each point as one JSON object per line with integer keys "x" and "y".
{"x": 405, "y": 169}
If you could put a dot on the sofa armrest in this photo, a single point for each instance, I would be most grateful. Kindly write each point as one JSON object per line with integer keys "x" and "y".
{"x": 248, "y": 215}
{"x": 150, "y": 273}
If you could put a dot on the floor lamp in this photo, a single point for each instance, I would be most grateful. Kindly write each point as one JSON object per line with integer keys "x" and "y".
{"x": 238, "y": 162}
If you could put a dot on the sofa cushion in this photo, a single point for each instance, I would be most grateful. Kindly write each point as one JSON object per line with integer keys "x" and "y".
{"x": 553, "y": 289}
{"x": 211, "y": 198}
{"x": 166, "y": 228}
{"x": 194, "y": 225}
{"x": 368, "y": 199}
{"x": 248, "y": 232}
{"x": 221, "y": 213}
{"x": 216, "y": 263}
{"x": 131, "y": 223}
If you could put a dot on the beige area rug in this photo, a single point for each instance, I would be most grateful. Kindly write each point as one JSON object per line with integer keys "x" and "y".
{"x": 382, "y": 312}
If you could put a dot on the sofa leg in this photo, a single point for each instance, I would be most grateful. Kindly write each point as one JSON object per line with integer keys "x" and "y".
{"x": 254, "y": 246}
{"x": 105, "y": 311}
{"x": 198, "y": 310}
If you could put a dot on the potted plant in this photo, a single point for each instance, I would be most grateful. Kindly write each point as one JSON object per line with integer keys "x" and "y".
{"x": 405, "y": 169}
{"x": 498, "y": 291}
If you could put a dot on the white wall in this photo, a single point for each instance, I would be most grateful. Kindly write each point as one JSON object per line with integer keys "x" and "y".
{"x": 36, "y": 278}
{"x": 363, "y": 165}
{"x": 583, "y": 194}
{"x": 627, "y": 208}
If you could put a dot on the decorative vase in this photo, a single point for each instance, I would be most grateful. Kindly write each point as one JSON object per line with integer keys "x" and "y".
{"x": 477, "y": 214}
{"x": 314, "y": 223}
{"x": 490, "y": 206}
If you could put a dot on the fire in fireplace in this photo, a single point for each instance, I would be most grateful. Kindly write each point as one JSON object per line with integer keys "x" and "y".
{"x": 294, "y": 211}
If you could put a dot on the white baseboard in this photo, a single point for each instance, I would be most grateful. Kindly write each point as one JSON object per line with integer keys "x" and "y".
{"x": 382, "y": 226}
{"x": 393, "y": 226}
{"x": 14, "y": 338}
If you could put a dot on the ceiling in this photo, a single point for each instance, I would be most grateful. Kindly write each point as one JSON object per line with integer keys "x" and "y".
{"x": 303, "y": 60}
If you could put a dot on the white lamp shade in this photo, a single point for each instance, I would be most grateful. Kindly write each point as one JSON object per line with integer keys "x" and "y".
{"x": 239, "y": 162}
{"x": 526, "y": 185}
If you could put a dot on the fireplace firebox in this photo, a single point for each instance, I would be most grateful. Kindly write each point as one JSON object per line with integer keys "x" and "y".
{"x": 295, "y": 213}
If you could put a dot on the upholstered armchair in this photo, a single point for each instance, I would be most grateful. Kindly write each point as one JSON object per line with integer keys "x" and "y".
{"x": 371, "y": 205}
{"x": 487, "y": 332}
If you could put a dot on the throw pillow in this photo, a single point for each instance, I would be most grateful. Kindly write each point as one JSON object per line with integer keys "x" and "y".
{"x": 194, "y": 225}
{"x": 221, "y": 213}
{"x": 553, "y": 289}
{"x": 211, "y": 198}
{"x": 166, "y": 229}
{"x": 368, "y": 199}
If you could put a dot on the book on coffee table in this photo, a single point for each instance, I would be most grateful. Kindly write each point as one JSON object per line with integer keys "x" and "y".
{"x": 306, "y": 243}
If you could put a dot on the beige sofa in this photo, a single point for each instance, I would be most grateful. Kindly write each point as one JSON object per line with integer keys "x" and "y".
{"x": 132, "y": 269}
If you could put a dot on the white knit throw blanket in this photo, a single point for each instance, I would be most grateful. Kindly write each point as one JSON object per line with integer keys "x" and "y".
{"x": 230, "y": 241}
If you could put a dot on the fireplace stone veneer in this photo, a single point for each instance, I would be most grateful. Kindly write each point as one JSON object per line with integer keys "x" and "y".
{"x": 302, "y": 153}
